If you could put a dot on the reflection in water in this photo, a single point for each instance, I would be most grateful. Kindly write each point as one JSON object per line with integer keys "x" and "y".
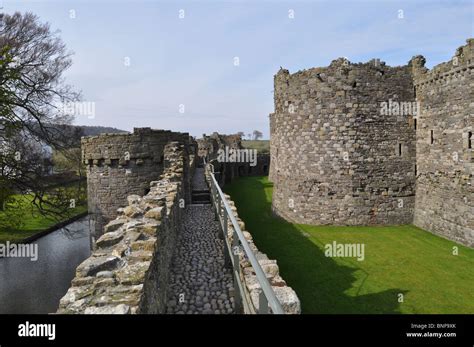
{"x": 37, "y": 286}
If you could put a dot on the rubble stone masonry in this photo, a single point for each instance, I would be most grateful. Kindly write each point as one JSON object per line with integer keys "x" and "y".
{"x": 226, "y": 172}
{"x": 119, "y": 165}
{"x": 444, "y": 153}
{"x": 340, "y": 156}
{"x": 335, "y": 157}
{"x": 130, "y": 269}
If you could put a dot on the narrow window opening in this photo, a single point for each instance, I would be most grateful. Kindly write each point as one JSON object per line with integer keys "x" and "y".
{"x": 416, "y": 170}
{"x": 414, "y": 123}
{"x": 469, "y": 140}
{"x": 432, "y": 137}
{"x": 399, "y": 149}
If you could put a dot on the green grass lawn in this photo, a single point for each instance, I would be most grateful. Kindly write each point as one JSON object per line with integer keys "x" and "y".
{"x": 33, "y": 221}
{"x": 262, "y": 146}
{"x": 398, "y": 260}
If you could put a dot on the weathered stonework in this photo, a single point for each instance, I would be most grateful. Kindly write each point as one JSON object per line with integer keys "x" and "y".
{"x": 130, "y": 269}
{"x": 337, "y": 158}
{"x": 122, "y": 164}
{"x": 445, "y": 163}
{"x": 209, "y": 146}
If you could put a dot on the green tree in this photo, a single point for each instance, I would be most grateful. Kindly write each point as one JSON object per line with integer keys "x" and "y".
{"x": 257, "y": 135}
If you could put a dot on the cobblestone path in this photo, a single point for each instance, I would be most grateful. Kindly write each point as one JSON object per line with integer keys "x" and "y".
{"x": 200, "y": 281}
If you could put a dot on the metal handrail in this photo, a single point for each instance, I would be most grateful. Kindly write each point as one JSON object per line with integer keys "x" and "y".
{"x": 267, "y": 296}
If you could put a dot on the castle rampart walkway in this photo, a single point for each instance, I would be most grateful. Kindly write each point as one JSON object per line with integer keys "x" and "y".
{"x": 200, "y": 281}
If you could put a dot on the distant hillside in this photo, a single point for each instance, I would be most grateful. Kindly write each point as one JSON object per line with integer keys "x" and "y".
{"x": 70, "y": 135}
{"x": 96, "y": 130}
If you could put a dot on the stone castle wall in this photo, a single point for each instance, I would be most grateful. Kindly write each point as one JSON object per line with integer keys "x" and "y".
{"x": 445, "y": 158}
{"x": 208, "y": 147}
{"x": 122, "y": 164}
{"x": 338, "y": 157}
{"x": 335, "y": 157}
{"x": 130, "y": 269}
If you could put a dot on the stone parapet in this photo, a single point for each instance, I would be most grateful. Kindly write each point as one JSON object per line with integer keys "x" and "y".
{"x": 284, "y": 293}
{"x": 122, "y": 164}
{"x": 129, "y": 270}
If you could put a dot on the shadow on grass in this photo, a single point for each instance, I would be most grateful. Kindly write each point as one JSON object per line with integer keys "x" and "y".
{"x": 320, "y": 282}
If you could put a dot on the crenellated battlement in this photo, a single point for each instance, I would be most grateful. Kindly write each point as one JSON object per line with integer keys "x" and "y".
{"x": 121, "y": 149}
{"x": 122, "y": 164}
{"x": 338, "y": 85}
{"x": 129, "y": 270}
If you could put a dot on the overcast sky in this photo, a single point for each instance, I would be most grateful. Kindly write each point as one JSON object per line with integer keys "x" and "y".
{"x": 140, "y": 62}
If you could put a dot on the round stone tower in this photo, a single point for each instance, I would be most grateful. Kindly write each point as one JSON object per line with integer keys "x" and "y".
{"x": 119, "y": 165}
{"x": 343, "y": 144}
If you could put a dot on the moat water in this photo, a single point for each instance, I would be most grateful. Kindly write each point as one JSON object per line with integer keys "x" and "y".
{"x": 37, "y": 286}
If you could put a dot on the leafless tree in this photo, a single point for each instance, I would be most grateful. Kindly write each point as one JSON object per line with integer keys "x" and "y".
{"x": 33, "y": 59}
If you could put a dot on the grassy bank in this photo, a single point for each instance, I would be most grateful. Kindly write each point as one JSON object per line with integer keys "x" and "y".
{"x": 32, "y": 221}
{"x": 405, "y": 269}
